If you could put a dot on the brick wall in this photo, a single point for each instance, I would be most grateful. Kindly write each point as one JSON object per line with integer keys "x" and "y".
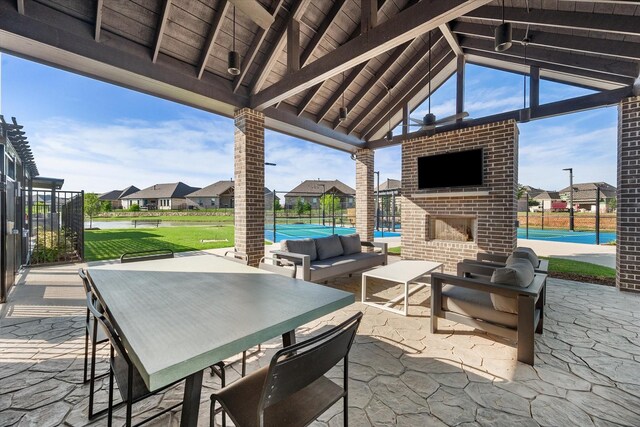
{"x": 495, "y": 214}
{"x": 365, "y": 202}
{"x": 628, "y": 214}
{"x": 249, "y": 183}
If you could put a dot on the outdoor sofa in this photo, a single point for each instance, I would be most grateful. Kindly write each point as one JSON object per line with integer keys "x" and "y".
{"x": 324, "y": 258}
{"x": 505, "y": 301}
{"x": 499, "y": 260}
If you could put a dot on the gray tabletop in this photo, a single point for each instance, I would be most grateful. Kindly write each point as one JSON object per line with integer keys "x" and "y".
{"x": 176, "y": 323}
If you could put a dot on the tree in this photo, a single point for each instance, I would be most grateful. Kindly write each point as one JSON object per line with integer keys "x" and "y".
{"x": 276, "y": 204}
{"x": 330, "y": 203}
{"x": 300, "y": 206}
{"x": 520, "y": 191}
{"x": 92, "y": 206}
{"x": 612, "y": 204}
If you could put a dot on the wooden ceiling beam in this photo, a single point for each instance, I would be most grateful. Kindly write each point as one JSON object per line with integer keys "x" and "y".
{"x": 621, "y": 24}
{"x": 216, "y": 26}
{"x": 588, "y": 45}
{"x": 248, "y": 59}
{"x": 443, "y": 67}
{"x": 98, "y": 28}
{"x": 277, "y": 47}
{"x": 377, "y": 77}
{"x": 293, "y": 46}
{"x": 162, "y": 23}
{"x": 536, "y": 53}
{"x": 322, "y": 31}
{"x": 335, "y": 96}
{"x": 368, "y": 15}
{"x": 20, "y": 6}
{"x": 405, "y": 26}
{"x": 451, "y": 39}
{"x": 406, "y": 70}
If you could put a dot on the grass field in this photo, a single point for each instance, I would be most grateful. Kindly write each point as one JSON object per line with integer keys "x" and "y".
{"x": 186, "y": 218}
{"x": 111, "y": 244}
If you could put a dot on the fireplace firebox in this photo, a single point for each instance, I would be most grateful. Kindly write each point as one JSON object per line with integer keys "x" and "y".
{"x": 454, "y": 228}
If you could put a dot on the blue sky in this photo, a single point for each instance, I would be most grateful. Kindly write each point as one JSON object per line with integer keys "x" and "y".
{"x": 101, "y": 137}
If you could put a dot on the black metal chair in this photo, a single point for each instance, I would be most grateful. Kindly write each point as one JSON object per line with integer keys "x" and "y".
{"x": 96, "y": 336}
{"x": 130, "y": 384}
{"x": 237, "y": 256}
{"x": 149, "y": 255}
{"x": 293, "y": 390}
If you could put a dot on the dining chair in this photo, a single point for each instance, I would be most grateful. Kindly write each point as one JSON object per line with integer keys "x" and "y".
{"x": 237, "y": 256}
{"x": 293, "y": 389}
{"x": 130, "y": 384}
{"x": 96, "y": 336}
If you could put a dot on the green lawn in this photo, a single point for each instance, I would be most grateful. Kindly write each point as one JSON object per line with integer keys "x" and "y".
{"x": 186, "y": 218}
{"x": 110, "y": 244}
{"x": 567, "y": 266}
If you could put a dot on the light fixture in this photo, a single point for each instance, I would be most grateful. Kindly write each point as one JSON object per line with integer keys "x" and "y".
{"x": 430, "y": 118}
{"x": 342, "y": 113}
{"x": 525, "y": 113}
{"x": 233, "y": 60}
{"x": 503, "y": 34}
{"x": 389, "y": 135}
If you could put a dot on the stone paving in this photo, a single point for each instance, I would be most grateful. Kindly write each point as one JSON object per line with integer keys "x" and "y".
{"x": 586, "y": 373}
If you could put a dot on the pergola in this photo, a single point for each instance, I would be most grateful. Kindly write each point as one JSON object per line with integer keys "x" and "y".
{"x": 301, "y": 60}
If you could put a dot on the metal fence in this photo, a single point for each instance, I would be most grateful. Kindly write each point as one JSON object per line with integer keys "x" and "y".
{"x": 56, "y": 226}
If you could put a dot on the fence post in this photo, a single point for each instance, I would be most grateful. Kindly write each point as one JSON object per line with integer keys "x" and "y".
{"x": 597, "y": 215}
{"x": 543, "y": 215}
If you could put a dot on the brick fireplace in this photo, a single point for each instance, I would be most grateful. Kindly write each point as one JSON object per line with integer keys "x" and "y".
{"x": 450, "y": 224}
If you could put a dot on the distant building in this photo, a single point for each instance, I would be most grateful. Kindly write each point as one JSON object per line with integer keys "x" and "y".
{"x": 310, "y": 191}
{"x": 584, "y": 195}
{"x": 115, "y": 196}
{"x": 160, "y": 196}
{"x": 221, "y": 195}
{"x": 548, "y": 200}
{"x": 532, "y": 191}
{"x": 390, "y": 186}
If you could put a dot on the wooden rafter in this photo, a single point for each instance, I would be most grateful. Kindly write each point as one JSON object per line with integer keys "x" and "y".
{"x": 405, "y": 26}
{"x": 216, "y": 25}
{"x": 98, "y": 28}
{"x": 451, "y": 39}
{"x": 161, "y": 27}
{"x": 412, "y": 90}
{"x": 293, "y": 46}
{"x": 616, "y": 67}
{"x": 250, "y": 56}
{"x": 609, "y": 23}
{"x": 376, "y": 78}
{"x": 322, "y": 31}
{"x": 407, "y": 68}
{"x": 368, "y": 15}
{"x": 20, "y": 6}
{"x": 335, "y": 97}
{"x": 568, "y": 42}
{"x": 277, "y": 47}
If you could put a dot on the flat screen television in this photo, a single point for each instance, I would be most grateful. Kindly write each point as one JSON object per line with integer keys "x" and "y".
{"x": 459, "y": 169}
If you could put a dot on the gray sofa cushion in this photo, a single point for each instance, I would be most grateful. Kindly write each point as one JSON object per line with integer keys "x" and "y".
{"x": 302, "y": 246}
{"x": 519, "y": 272}
{"x": 527, "y": 253}
{"x": 329, "y": 247}
{"x": 342, "y": 265}
{"x": 351, "y": 244}
{"x": 476, "y": 304}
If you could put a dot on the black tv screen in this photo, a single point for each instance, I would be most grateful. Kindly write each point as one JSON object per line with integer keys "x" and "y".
{"x": 459, "y": 169}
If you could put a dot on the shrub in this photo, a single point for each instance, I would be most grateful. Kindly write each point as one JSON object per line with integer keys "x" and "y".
{"x": 134, "y": 208}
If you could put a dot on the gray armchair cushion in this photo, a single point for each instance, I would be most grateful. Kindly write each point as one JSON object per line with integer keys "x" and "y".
{"x": 518, "y": 273}
{"x": 303, "y": 246}
{"x": 351, "y": 244}
{"x": 527, "y": 253}
{"x": 329, "y": 247}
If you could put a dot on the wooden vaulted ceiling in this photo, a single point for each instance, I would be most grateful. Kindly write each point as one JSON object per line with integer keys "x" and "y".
{"x": 177, "y": 49}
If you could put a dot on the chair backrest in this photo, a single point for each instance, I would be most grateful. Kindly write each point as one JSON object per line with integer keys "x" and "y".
{"x": 237, "y": 256}
{"x": 297, "y": 366}
{"x": 85, "y": 280}
{"x": 278, "y": 266}
{"x": 146, "y": 255}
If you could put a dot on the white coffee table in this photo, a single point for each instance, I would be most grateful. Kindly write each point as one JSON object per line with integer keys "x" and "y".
{"x": 406, "y": 272}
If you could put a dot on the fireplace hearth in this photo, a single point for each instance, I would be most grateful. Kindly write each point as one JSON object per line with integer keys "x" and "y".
{"x": 453, "y": 228}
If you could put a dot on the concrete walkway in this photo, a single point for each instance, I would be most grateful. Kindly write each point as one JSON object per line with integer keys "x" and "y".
{"x": 604, "y": 255}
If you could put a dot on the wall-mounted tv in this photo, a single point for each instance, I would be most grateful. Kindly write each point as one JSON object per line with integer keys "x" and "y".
{"x": 459, "y": 169}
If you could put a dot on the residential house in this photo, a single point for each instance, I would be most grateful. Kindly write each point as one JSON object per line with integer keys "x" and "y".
{"x": 390, "y": 186}
{"x": 115, "y": 196}
{"x": 548, "y": 200}
{"x": 160, "y": 196}
{"x": 584, "y": 195}
{"x": 310, "y": 191}
{"x": 221, "y": 195}
{"x": 532, "y": 192}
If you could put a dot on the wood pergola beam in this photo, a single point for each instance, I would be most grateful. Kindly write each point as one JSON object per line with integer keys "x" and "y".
{"x": 293, "y": 46}
{"x": 620, "y": 24}
{"x": 162, "y": 23}
{"x": 216, "y": 25}
{"x": 536, "y": 53}
{"x": 248, "y": 59}
{"x": 451, "y": 39}
{"x": 98, "y": 27}
{"x": 406, "y": 69}
{"x": 460, "y": 68}
{"x": 406, "y": 25}
{"x": 368, "y": 15}
{"x": 588, "y": 45}
{"x": 276, "y": 48}
{"x": 322, "y": 31}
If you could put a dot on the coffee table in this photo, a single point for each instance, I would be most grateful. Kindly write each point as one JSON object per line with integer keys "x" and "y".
{"x": 404, "y": 272}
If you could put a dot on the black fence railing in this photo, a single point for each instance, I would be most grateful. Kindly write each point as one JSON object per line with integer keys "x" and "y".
{"x": 56, "y": 226}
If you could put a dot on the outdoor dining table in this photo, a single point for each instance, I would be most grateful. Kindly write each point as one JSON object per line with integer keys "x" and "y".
{"x": 177, "y": 317}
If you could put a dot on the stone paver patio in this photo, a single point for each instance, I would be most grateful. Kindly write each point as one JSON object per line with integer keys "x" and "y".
{"x": 587, "y": 370}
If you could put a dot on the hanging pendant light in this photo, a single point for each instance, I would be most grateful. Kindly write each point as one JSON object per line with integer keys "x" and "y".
{"x": 525, "y": 113}
{"x": 233, "y": 60}
{"x": 503, "y": 34}
{"x": 342, "y": 113}
{"x": 389, "y": 135}
{"x": 429, "y": 119}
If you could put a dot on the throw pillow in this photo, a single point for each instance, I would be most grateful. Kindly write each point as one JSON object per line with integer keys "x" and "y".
{"x": 329, "y": 247}
{"x": 351, "y": 244}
